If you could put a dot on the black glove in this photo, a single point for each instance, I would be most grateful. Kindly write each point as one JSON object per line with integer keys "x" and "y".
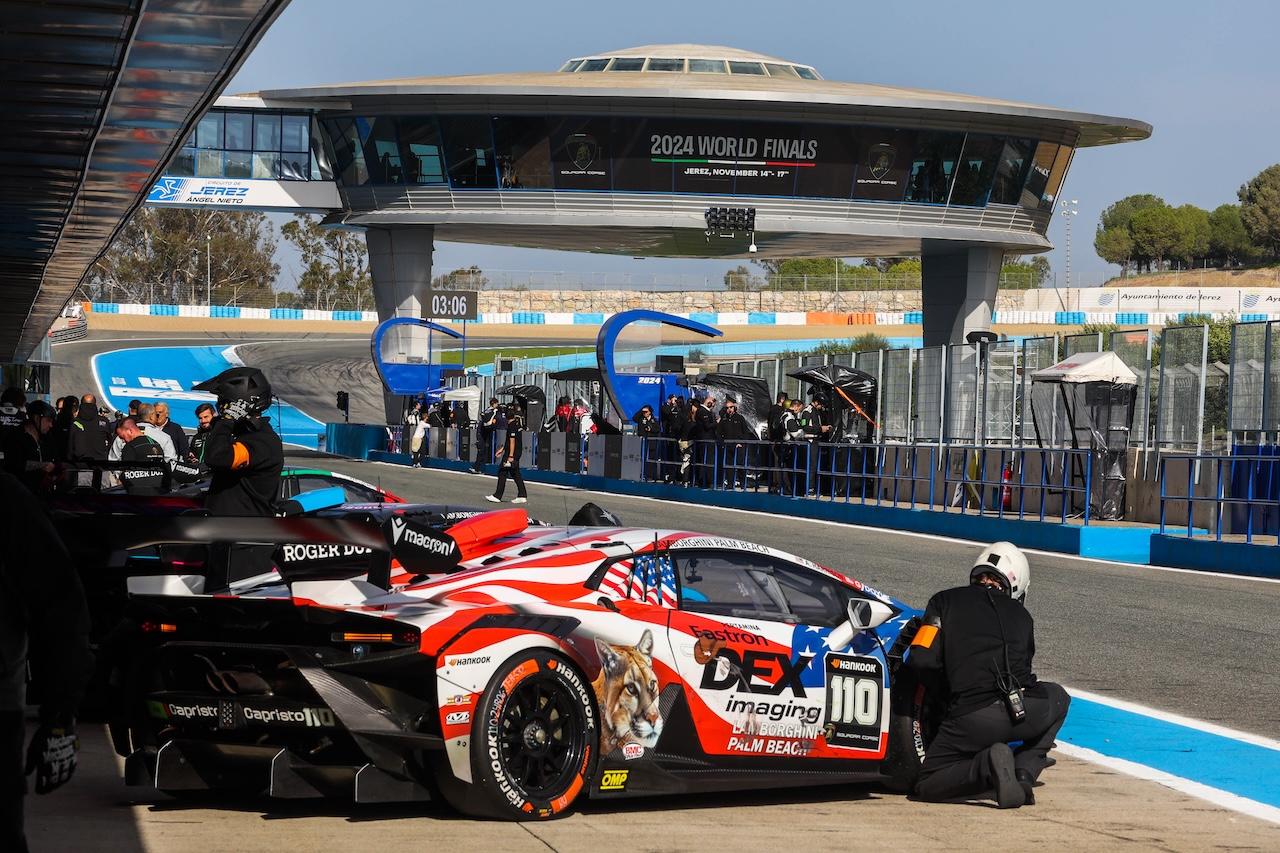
{"x": 52, "y": 756}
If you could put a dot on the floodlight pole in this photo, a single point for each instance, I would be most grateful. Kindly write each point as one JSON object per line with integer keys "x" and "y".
{"x": 208, "y": 270}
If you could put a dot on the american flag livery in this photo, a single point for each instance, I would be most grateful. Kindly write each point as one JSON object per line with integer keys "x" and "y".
{"x": 649, "y": 578}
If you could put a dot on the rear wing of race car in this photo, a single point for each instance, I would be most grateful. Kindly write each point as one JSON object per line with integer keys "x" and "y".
{"x": 310, "y": 547}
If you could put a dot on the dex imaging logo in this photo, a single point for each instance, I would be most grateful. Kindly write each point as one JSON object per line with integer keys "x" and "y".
{"x": 167, "y": 189}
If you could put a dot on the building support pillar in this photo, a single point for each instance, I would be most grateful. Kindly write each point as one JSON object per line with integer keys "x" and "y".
{"x": 959, "y": 292}
{"x": 400, "y": 265}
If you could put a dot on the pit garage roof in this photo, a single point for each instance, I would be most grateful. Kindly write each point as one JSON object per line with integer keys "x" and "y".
{"x": 95, "y": 98}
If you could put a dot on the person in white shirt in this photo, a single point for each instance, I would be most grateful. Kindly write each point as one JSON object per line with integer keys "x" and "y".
{"x": 151, "y": 431}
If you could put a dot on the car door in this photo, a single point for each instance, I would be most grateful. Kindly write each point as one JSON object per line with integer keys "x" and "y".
{"x": 751, "y": 641}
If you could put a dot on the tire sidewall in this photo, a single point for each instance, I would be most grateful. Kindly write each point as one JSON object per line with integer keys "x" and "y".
{"x": 501, "y": 795}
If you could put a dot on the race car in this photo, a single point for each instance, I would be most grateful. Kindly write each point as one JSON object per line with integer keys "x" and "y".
{"x": 521, "y": 669}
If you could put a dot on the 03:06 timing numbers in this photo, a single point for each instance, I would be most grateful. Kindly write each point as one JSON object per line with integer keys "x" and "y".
{"x": 443, "y": 305}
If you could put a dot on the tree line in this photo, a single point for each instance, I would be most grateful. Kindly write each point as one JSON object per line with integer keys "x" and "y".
{"x": 871, "y": 274}
{"x": 177, "y": 256}
{"x": 1143, "y": 233}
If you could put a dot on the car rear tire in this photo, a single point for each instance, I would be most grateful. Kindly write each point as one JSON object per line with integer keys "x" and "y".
{"x": 534, "y": 740}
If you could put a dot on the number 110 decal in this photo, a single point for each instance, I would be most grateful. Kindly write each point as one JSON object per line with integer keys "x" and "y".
{"x": 855, "y": 686}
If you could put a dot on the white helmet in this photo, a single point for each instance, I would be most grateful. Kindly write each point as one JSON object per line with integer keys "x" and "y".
{"x": 1005, "y": 560}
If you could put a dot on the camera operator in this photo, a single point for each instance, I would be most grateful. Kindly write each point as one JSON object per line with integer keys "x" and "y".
{"x": 44, "y": 621}
{"x": 674, "y": 416}
{"x": 981, "y": 639}
{"x": 492, "y": 421}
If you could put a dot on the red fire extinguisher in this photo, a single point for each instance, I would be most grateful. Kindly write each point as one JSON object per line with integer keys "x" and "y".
{"x": 1006, "y": 491}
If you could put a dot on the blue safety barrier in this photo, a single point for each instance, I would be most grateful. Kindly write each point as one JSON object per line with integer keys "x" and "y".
{"x": 1069, "y": 318}
{"x": 588, "y": 319}
{"x": 106, "y": 308}
{"x": 761, "y": 318}
{"x": 350, "y": 316}
{"x": 1254, "y": 318}
{"x": 286, "y": 313}
{"x": 913, "y": 318}
{"x": 164, "y": 310}
{"x": 224, "y": 312}
{"x": 1132, "y": 318}
{"x": 708, "y": 318}
{"x": 528, "y": 318}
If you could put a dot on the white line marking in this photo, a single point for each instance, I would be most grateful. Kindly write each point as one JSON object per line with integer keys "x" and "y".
{"x": 1225, "y": 799}
{"x": 1137, "y": 567}
{"x": 1176, "y": 719}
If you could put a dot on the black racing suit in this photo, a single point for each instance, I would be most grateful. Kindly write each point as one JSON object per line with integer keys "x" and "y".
{"x": 142, "y": 478}
{"x": 44, "y": 618}
{"x": 964, "y": 637}
{"x": 246, "y": 457}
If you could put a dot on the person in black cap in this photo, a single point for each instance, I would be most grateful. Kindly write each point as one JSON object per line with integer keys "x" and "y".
{"x": 27, "y": 450}
{"x": 242, "y": 450}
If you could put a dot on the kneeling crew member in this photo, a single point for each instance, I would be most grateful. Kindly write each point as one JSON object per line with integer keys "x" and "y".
{"x": 981, "y": 638}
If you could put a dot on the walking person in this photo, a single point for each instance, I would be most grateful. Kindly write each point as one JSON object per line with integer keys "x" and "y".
{"x": 509, "y": 458}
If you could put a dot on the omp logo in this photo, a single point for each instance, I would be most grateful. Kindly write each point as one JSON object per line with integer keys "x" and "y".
{"x": 1250, "y": 300}
{"x": 167, "y": 189}
{"x": 614, "y": 780}
{"x": 457, "y": 718}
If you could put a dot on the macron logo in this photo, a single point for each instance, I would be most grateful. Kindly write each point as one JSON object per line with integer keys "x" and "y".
{"x": 400, "y": 531}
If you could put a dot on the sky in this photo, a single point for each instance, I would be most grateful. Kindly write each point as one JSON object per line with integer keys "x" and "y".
{"x": 1204, "y": 75}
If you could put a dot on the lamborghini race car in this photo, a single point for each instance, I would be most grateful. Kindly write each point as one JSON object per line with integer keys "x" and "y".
{"x": 521, "y": 669}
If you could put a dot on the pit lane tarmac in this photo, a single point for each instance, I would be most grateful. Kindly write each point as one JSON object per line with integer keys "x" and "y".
{"x": 1082, "y": 807}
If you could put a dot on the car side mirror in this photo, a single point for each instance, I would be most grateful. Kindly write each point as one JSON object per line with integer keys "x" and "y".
{"x": 863, "y": 614}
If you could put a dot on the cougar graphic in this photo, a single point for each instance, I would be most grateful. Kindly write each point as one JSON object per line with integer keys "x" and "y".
{"x": 627, "y": 691}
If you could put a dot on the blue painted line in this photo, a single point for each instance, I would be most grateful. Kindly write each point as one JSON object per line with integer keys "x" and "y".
{"x": 1245, "y": 769}
{"x": 166, "y": 374}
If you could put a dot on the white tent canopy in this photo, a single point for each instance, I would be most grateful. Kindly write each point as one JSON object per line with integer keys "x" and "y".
{"x": 1088, "y": 367}
{"x": 465, "y": 394}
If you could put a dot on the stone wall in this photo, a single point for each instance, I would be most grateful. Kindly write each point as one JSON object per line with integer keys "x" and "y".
{"x": 676, "y": 302}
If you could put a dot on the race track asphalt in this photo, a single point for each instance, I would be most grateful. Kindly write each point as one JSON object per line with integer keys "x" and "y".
{"x": 1183, "y": 642}
{"x": 1189, "y": 643}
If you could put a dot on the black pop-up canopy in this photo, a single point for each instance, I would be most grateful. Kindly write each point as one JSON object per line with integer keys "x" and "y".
{"x": 524, "y": 394}
{"x": 751, "y": 394}
{"x": 843, "y": 387}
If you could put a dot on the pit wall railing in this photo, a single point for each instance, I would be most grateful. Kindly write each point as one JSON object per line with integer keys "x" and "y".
{"x": 1231, "y": 498}
{"x": 1028, "y": 484}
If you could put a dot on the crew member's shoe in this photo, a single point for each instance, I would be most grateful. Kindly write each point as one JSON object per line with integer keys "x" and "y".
{"x": 1009, "y": 792}
{"x": 519, "y": 500}
{"x": 493, "y": 499}
{"x": 1028, "y": 785}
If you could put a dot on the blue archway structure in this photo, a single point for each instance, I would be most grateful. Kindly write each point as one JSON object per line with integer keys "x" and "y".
{"x": 629, "y": 391}
{"x": 413, "y": 379}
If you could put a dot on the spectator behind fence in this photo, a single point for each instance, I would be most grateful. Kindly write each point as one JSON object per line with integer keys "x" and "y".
{"x": 775, "y": 433}
{"x": 160, "y": 417}
{"x": 648, "y": 428}
{"x": 675, "y": 414}
{"x": 793, "y": 460}
{"x": 732, "y": 430}
{"x": 702, "y": 437}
